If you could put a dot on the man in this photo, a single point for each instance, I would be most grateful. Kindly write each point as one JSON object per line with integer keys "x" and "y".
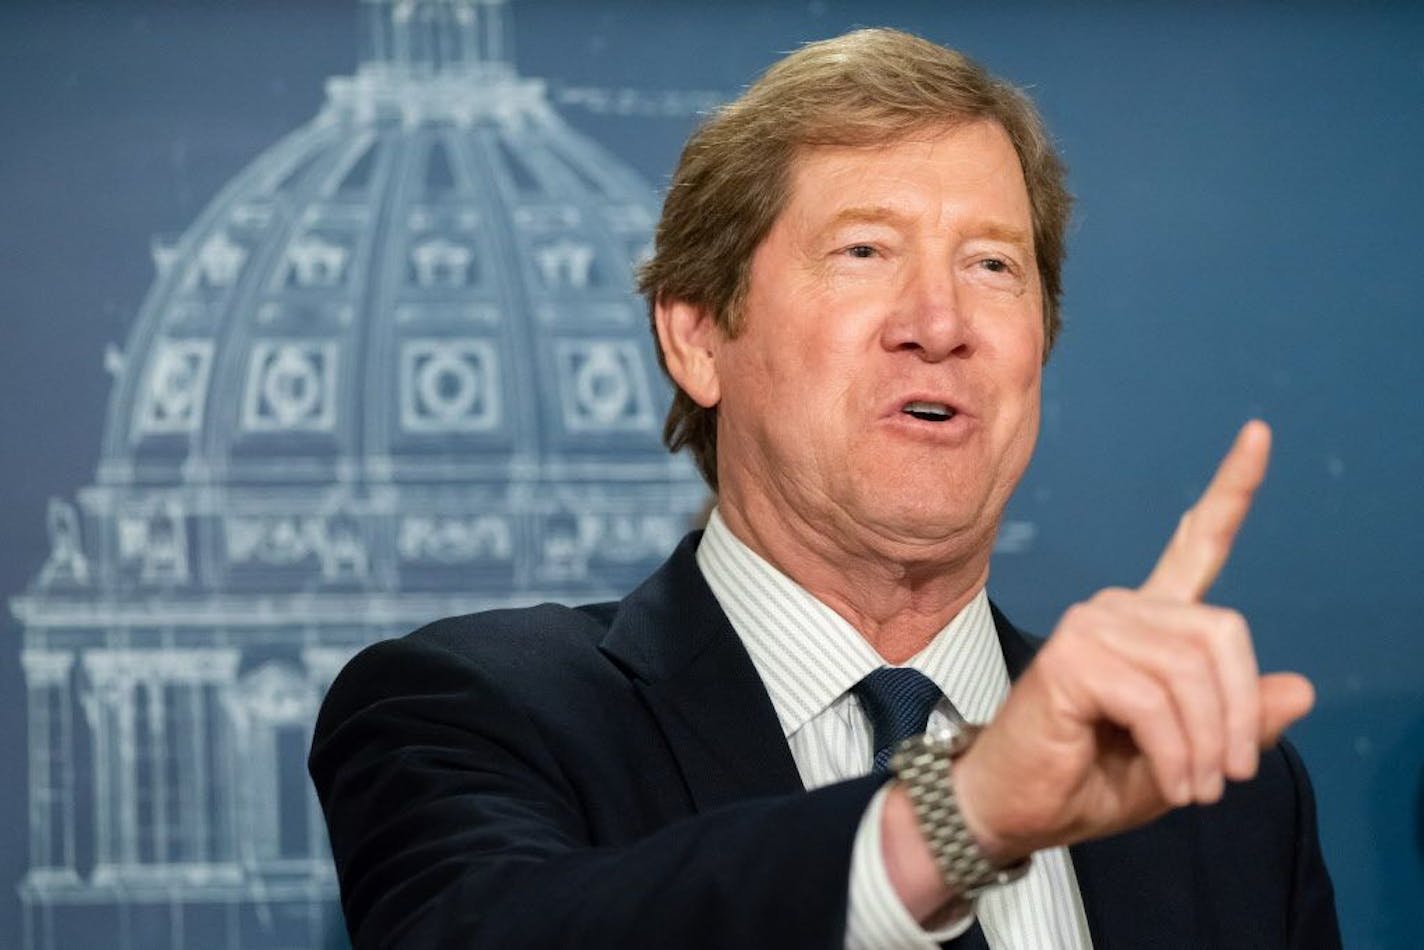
{"x": 855, "y": 286}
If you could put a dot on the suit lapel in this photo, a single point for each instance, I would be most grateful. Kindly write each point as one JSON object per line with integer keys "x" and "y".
{"x": 1018, "y": 647}
{"x": 691, "y": 669}
{"x": 1137, "y": 887}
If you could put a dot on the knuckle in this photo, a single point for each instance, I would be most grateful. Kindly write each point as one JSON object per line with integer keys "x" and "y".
{"x": 1225, "y": 626}
{"x": 1112, "y": 596}
{"x": 1079, "y": 618}
{"x": 1181, "y": 655}
{"x": 1191, "y": 662}
{"x": 1213, "y": 793}
{"x": 1172, "y": 760}
{"x": 1233, "y": 624}
{"x": 1212, "y": 743}
{"x": 1143, "y": 702}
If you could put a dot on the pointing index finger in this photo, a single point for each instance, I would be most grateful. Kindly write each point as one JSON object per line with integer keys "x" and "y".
{"x": 1202, "y": 542}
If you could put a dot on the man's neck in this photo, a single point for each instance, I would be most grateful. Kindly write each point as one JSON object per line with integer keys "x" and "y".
{"x": 898, "y": 600}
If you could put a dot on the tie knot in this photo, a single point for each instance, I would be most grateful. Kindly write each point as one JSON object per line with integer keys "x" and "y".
{"x": 898, "y": 702}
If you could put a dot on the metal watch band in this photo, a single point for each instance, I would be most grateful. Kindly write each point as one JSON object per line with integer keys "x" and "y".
{"x": 923, "y": 764}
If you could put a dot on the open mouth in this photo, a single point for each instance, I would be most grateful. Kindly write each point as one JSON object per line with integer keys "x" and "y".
{"x": 930, "y": 411}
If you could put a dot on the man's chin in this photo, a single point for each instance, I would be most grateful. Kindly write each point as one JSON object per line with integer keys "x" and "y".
{"x": 917, "y": 532}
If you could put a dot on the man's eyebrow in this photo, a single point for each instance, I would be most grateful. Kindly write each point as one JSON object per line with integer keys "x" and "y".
{"x": 866, "y": 214}
{"x": 883, "y": 214}
{"x": 1006, "y": 233}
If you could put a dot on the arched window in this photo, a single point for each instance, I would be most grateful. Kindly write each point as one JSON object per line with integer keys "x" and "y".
{"x": 274, "y": 707}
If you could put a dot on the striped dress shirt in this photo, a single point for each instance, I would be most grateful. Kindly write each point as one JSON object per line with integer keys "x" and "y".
{"x": 808, "y": 658}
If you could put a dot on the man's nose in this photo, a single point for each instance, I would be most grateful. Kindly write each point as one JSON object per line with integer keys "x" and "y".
{"x": 928, "y": 317}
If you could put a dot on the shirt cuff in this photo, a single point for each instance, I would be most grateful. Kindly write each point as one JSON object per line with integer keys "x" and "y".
{"x": 875, "y": 916}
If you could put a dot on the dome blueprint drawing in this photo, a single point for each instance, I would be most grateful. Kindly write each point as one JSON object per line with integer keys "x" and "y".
{"x": 394, "y": 370}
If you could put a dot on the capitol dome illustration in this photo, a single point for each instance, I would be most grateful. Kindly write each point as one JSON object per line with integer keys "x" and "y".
{"x": 395, "y": 370}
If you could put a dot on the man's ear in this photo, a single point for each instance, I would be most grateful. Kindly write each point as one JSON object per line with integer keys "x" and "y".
{"x": 689, "y": 336}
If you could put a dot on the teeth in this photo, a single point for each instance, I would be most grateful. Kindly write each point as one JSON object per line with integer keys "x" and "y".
{"x": 928, "y": 411}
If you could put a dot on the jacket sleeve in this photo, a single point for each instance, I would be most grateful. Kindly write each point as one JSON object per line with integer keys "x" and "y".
{"x": 452, "y": 824}
{"x": 1313, "y": 923}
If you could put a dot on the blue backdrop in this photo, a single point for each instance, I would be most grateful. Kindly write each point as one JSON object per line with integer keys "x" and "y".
{"x": 1246, "y": 243}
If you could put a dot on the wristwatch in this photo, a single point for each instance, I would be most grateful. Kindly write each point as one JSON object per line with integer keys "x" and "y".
{"x": 923, "y": 764}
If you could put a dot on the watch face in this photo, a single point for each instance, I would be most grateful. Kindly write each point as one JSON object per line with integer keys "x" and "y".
{"x": 963, "y": 737}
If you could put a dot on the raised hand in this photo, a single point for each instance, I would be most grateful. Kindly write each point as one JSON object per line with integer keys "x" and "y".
{"x": 1142, "y": 700}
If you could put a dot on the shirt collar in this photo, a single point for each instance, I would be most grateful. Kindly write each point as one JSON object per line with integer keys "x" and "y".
{"x": 808, "y": 656}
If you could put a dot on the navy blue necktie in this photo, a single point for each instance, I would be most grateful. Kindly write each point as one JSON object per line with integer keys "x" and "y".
{"x": 898, "y": 702}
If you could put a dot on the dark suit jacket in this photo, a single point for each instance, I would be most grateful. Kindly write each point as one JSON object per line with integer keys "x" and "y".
{"x": 615, "y": 776}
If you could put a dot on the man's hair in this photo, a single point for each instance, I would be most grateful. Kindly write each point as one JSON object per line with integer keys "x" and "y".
{"x": 868, "y": 87}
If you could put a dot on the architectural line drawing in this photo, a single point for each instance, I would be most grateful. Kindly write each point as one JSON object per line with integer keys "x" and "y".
{"x": 394, "y": 370}
{"x": 640, "y": 102}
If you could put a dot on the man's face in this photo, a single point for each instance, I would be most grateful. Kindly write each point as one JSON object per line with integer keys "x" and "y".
{"x": 884, "y": 390}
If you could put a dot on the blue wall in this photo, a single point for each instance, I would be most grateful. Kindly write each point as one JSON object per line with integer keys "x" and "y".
{"x": 1247, "y": 243}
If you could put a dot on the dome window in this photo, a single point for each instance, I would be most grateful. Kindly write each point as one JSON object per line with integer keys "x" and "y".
{"x": 284, "y": 541}
{"x": 316, "y": 262}
{"x": 455, "y": 540}
{"x": 566, "y": 264}
{"x": 331, "y": 544}
{"x": 155, "y": 544}
{"x": 449, "y": 385}
{"x": 172, "y": 396}
{"x": 291, "y": 386}
{"x": 603, "y": 386}
{"x": 220, "y": 261}
{"x": 274, "y": 706}
{"x": 440, "y": 262}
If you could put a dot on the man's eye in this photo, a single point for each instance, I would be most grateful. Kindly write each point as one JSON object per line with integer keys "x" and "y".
{"x": 995, "y": 265}
{"x": 860, "y": 250}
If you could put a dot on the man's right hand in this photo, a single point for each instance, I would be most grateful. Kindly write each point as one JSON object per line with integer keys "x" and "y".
{"x": 1142, "y": 700}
